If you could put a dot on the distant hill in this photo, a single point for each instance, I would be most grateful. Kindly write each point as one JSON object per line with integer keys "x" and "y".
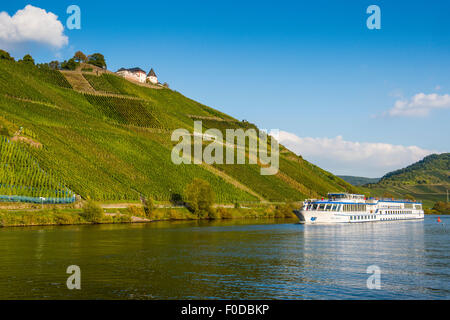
{"x": 427, "y": 180}
{"x": 433, "y": 169}
{"x": 359, "y": 181}
{"x": 106, "y": 138}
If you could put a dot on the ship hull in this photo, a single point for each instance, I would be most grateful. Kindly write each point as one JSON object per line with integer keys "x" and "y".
{"x": 324, "y": 217}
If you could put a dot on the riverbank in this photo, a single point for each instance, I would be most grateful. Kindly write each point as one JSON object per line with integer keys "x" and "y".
{"x": 131, "y": 214}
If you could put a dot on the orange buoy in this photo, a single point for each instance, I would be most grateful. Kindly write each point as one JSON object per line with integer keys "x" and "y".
{"x": 439, "y": 219}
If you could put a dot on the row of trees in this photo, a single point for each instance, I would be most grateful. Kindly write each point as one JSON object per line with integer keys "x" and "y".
{"x": 6, "y": 56}
{"x": 95, "y": 59}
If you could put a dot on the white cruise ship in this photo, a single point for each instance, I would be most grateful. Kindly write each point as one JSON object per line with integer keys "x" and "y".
{"x": 354, "y": 208}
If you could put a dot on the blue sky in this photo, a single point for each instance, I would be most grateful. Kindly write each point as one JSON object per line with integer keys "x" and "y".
{"x": 309, "y": 68}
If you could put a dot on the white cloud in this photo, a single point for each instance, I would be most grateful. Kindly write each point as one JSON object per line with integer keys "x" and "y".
{"x": 32, "y": 24}
{"x": 420, "y": 105}
{"x": 353, "y": 158}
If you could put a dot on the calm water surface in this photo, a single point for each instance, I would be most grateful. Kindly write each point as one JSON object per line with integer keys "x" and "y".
{"x": 273, "y": 259}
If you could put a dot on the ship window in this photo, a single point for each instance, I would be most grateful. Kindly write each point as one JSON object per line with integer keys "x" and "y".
{"x": 321, "y": 206}
{"x": 314, "y": 207}
{"x": 333, "y": 207}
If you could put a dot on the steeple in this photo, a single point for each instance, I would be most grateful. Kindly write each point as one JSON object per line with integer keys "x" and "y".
{"x": 151, "y": 73}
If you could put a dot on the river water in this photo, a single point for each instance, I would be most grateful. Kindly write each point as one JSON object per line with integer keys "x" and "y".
{"x": 239, "y": 259}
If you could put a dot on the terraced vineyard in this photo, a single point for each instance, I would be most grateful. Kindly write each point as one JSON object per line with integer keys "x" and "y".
{"x": 21, "y": 175}
{"x": 112, "y": 141}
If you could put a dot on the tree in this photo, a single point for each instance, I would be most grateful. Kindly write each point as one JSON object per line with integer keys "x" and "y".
{"x": 98, "y": 60}
{"x": 54, "y": 65}
{"x": 149, "y": 206}
{"x": 80, "y": 57}
{"x": 92, "y": 212}
{"x": 27, "y": 59}
{"x": 5, "y": 55}
{"x": 69, "y": 65}
{"x": 200, "y": 197}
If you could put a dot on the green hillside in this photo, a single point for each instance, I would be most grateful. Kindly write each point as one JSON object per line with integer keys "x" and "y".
{"x": 427, "y": 180}
{"x": 359, "y": 181}
{"x": 112, "y": 142}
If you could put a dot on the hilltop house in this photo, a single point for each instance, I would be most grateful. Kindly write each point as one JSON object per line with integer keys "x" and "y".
{"x": 137, "y": 74}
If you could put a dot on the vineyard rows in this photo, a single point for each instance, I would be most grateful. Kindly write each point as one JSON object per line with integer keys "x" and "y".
{"x": 21, "y": 175}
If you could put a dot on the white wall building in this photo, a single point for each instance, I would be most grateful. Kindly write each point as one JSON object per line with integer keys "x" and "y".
{"x": 136, "y": 74}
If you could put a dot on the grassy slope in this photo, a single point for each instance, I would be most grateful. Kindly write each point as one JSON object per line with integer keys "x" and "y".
{"x": 427, "y": 180}
{"x": 113, "y": 148}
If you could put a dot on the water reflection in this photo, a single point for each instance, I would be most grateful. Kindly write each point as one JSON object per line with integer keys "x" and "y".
{"x": 234, "y": 259}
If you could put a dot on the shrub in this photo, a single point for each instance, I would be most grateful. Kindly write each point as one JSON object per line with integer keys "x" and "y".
{"x": 175, "y": 215}
{"x": 136, "y": 211}
{"x": 200, "y": 197}
{"x": 284, "y": 211}
{"x": 27, "y": 59}
{"x": 69, "y": 65}
{"x": 224, "y": 213}
{"x": 92, "y": 212}
{"x": 213, "y": 214}
{"x": 5, "y": 55}
{"x": 442, "y": 207}
{"x": 149, "y": 206}
{"x": 121, "y": 218}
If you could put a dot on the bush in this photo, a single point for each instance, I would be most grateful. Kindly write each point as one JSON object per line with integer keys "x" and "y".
{"x": 69, "y": 65}
{"x": 149, "y": 206}
{"x": 92, "y": 212}
{"x": 284, "y": 211}
{"x": 175, "y": 215}
{"x": 27, "y": 59}
{"x": 5, "y": 55}
{"x": 121, "y": 218}
{"x": 224, "y": 213}
{"x": 136, "y": 211}
{"x": 200, "y": 198}
{"x": 442, "y": 207}
{"x": 213, "y": 214}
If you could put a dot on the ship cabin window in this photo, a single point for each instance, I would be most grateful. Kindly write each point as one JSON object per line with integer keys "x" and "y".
{"x": 321, "y": 207}
{"x": 314, "y": 207}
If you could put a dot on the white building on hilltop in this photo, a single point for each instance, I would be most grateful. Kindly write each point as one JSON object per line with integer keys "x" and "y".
{"x": 151, "y": 77}
{"x": 136, "y": 74}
